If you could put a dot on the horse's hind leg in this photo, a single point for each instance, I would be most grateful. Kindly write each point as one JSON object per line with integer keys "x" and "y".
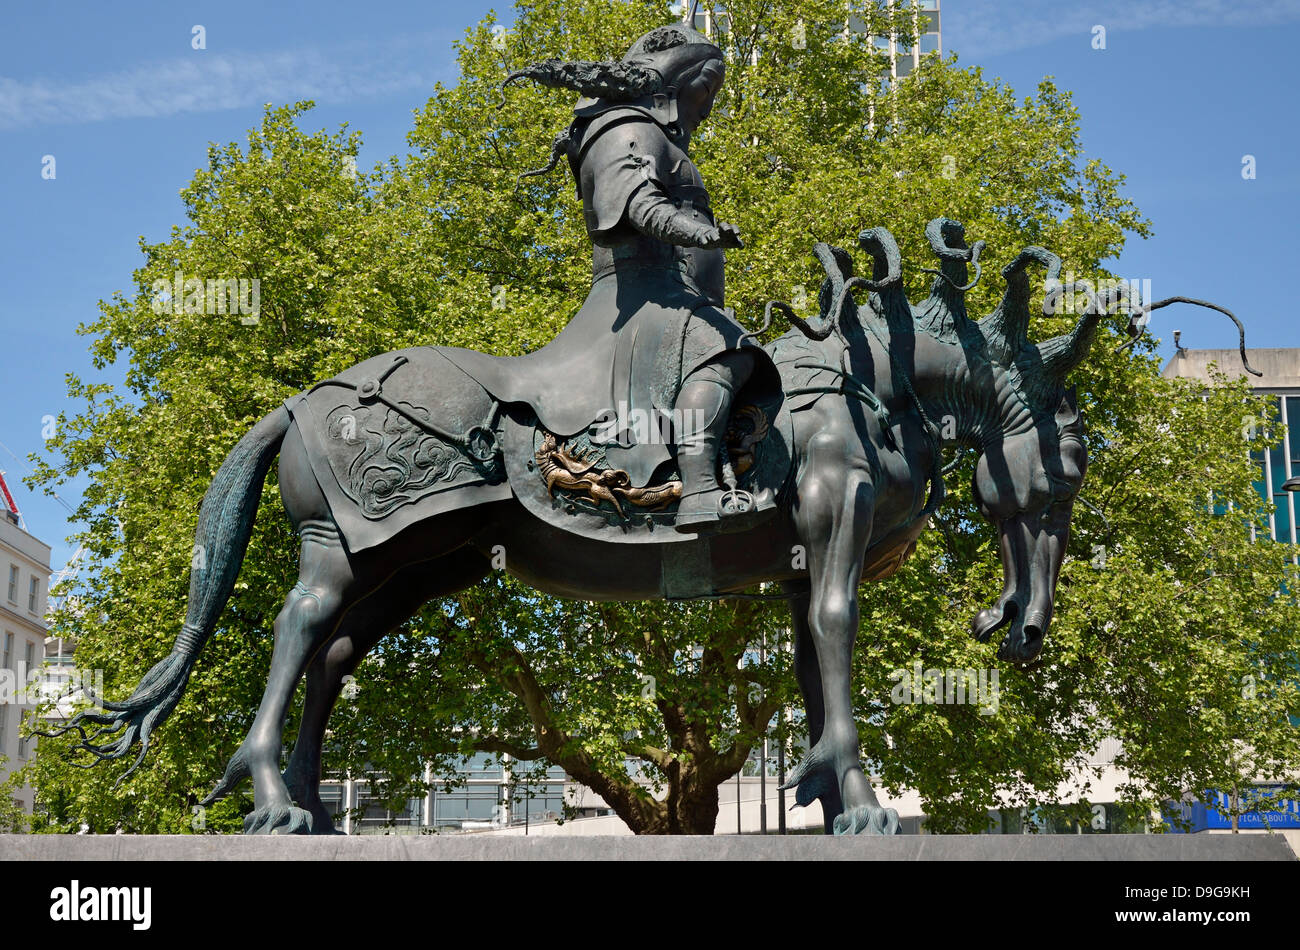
{"x": 312, "y": 610}
{"x": 361, "y": 629}
{"x": 328, "y": 583}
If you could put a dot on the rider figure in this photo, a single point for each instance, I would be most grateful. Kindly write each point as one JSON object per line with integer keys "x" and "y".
{"x": 655, "y": 316}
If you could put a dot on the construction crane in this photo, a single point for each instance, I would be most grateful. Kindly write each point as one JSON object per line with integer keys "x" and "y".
{"x": 8, "y": 500}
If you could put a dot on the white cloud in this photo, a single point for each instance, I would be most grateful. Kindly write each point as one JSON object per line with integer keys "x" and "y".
{"x": 206, "y": 81}
{"x": 988, "y": 29}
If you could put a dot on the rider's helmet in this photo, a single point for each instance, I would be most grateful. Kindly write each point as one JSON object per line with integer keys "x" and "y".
{"x": 650, "y": 76}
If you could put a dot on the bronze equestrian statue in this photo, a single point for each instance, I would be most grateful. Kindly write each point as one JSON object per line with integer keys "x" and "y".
{"x": 814, "y": 462}
{"x": 651, "y": 343}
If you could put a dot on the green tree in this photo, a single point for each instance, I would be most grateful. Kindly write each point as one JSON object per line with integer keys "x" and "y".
{"x": 13, "y": 819}
{"x": 448, "y": 246}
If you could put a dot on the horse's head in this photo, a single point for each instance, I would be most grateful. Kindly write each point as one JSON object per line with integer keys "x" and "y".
{"x": 1031, "y": 468}
{"x": 1025, "y": 484}
{"x": 1030, "y": 471}
{"x": 1033, "y": 461}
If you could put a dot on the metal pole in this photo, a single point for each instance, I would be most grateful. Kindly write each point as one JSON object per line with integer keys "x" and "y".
{"x": 780, "y": 772}
{"x": 428, "y": 795}
{"x": 762, "y": 767}
{"x": 780, "y": 762}
{"x": 349, "y": 802}
{"x": 738, "y": 774}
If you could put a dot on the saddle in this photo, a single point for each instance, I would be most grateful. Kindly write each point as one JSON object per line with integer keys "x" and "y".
{"x": 412, "y": 434}
{"x": 569, "y": 482}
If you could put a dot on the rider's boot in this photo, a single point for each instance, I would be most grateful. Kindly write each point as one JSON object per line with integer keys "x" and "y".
{"x": 704, "y": 405}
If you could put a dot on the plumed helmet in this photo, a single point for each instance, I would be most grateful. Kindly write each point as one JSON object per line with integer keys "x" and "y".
{"x": 656, "y": 67}
{"x": 674, "y": 52}
{"x": 649, "y": 78}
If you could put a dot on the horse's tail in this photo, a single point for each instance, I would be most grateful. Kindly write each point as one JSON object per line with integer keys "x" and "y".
{"x": 225, "y": 525}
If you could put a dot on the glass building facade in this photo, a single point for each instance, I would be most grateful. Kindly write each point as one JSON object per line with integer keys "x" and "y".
{"x": 1280, "y": 384}
{"x": 906, "y": 56}
{"x": 481, "y": 794}
{"x": 1275, "y": 466}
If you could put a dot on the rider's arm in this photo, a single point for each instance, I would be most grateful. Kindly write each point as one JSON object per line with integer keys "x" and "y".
{"x": 652, "y": 213}
{"x": 623, "y": 178}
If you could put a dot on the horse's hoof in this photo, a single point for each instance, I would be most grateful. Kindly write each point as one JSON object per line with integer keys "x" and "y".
{"x": 305, "y": 796}
{"x": 867, "y": 820}
{"x": 322, "y": 822}
{"x": 279, "y": 820}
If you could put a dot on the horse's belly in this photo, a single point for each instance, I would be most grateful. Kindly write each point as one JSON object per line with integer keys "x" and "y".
{"x": 563, "y": 564}
{"x": 567, "y": 565}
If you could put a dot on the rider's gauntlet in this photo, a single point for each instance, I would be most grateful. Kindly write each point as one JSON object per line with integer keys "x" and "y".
{"x": 653, "y": 214}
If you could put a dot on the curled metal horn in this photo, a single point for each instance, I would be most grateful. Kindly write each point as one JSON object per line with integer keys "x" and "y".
{"x": 974, "y": 259}
{"x": 501, "y": 87}
{"x": 562, "y": 145}
{"x": 1095, "y": 305}
{"x": 1136, "y": 324}
{"x": 1040, "y": 255}
{"x": 880, "y": 244}
{"x": 617, "y": 81}
{"x": 823, "y": 325}
{"x": 1060, "y": 354}
{"x": 813, "y": 329}
{"x": 939, "y": 233}
{"x": 882, "y": 247}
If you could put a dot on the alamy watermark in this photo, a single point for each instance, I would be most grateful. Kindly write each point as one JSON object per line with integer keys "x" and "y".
{"x": 946, "y": 687}
{"x": 224, "y": 295}
{"x": 42, "y": 684}
{"x": 630, "y": 425}
{"x": 80, "y": 902}
{"x": 1073, "y": 296}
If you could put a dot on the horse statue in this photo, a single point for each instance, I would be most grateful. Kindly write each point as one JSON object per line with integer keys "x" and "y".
{"x": 403, "y": 477}
{"x": 715, "y": 465}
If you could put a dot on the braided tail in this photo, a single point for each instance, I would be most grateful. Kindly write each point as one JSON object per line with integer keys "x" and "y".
{"x": 562, "y": 146}
{"x": 225, "y": 525}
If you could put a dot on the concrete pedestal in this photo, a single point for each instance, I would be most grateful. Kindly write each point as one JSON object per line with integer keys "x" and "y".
{"x": 486, "y": 847}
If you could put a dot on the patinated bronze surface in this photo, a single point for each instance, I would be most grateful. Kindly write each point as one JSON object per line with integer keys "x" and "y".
{"x": 561, "y": 469}
{"x": 405, "y": 473}
{"x": 653, "y": 340}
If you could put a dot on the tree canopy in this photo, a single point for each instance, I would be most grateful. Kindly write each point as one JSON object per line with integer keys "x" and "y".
{"x": 1174, "y": 631}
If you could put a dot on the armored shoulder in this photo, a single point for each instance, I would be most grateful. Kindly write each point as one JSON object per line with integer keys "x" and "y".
{"x": 621, "y": 152}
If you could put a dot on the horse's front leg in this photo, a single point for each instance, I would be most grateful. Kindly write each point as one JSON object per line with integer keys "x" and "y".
{"x": 833, "y": 516}
{"x": 822, "y": 785}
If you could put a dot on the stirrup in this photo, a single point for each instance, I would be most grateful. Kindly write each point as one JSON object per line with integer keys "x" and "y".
{"x": 734, "y": 510}
{"x": 736, "y": 501}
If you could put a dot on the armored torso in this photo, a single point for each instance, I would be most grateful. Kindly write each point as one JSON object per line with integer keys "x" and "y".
{"x": 625, "y": 159}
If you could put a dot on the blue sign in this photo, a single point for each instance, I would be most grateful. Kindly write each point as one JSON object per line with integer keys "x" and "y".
{"x": 1271, "y": 810}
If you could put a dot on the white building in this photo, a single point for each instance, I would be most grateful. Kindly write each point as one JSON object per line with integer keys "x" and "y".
{"x": 24, "y": 584}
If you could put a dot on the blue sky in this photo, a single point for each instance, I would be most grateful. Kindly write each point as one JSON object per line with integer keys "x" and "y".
{"x": 1182, "y": 91}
